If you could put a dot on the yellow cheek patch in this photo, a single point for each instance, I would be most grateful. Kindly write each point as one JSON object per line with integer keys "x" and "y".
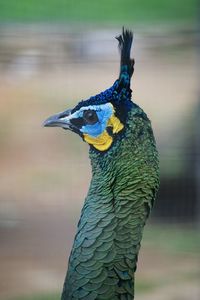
{"x": 102, "y": 142}
{"x": 115, "y": 123}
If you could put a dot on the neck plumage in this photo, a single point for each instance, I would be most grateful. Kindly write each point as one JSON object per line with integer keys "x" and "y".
{"x": 104, "y": 255}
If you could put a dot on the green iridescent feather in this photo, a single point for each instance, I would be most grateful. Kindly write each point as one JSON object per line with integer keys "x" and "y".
{"x": 121, "y": 194}
{"x": 122, "y": 191}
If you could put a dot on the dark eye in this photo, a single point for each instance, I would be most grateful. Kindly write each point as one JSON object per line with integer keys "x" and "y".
{"x": 90, "y": 116}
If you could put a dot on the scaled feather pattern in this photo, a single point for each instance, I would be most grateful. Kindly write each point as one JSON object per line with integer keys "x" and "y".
{"x": 125, "y": 179}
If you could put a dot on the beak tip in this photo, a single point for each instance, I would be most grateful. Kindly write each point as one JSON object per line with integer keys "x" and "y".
{"x": 52, "y": 121}
{"x": 45, "y": 124}
{"x": 57, "y": 120}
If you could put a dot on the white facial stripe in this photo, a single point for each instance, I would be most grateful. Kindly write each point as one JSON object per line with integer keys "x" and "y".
{"x": 78, "y": 114}
{"x": 96, "y": 107}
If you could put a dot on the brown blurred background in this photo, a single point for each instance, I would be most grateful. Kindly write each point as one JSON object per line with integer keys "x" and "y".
{"x": 53, "y": 54}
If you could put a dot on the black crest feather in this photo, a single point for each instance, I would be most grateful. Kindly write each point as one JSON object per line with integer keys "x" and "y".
{"x": 127, "y": 63}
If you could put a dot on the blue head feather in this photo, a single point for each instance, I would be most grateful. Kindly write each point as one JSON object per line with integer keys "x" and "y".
{"x": 103, "y": 111}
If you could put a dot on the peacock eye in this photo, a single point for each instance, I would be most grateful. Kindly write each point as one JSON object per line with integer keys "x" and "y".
{"x": 90, "y": 116}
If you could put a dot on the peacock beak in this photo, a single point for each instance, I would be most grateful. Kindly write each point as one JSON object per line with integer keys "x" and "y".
{"x": 59, "y": 120}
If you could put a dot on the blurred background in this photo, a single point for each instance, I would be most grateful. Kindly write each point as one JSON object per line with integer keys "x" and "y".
{"x": 54, "y": 53}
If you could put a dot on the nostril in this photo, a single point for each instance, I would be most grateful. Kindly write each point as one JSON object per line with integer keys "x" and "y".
{"x": 64, "y": 114}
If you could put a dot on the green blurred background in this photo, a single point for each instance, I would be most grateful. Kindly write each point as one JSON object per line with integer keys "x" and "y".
{"x": 113, "y": 11}
{"x": 52, "y": 54}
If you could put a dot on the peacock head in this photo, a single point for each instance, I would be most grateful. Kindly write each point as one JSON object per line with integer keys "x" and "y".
{"x": 101, "y": 119}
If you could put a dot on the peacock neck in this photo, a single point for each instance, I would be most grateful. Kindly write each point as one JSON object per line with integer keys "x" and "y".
{"x": 124, "y": 180}
{"x": 133, "y": 158}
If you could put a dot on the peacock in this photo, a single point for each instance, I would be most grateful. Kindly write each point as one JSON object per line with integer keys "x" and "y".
{"x": 125, "y": 179}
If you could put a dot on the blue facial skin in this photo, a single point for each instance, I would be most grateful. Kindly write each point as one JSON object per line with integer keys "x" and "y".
{"x": 104, "y": 112}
